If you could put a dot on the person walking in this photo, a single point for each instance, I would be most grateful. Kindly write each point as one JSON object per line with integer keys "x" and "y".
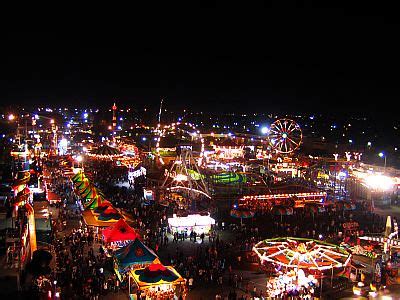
{"x": 191, "y": 283}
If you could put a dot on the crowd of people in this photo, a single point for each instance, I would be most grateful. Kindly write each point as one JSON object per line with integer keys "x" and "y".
{"x": 214, "y": 263}
{"x": 79, "y": 270}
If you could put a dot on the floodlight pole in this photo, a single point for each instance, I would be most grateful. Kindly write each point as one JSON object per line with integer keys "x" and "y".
{"x": 384, "y": 167}
{"x": 320, "y": 293}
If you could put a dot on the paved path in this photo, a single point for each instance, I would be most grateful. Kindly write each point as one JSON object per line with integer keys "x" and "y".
{"x": 393, "y": 211}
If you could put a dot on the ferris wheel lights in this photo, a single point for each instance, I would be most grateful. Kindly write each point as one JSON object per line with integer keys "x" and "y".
{"x": 285, "y": 136}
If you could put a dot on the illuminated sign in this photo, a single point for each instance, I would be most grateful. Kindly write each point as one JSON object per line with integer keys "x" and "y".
{"x": 137, "y": 173}
{"x": 148, "y": 195}
{"x": 186, "y": 147}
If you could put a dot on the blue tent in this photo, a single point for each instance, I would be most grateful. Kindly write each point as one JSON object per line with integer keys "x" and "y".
{"x": 134, "y": 254}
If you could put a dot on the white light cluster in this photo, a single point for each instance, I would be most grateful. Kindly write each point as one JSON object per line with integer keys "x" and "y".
{"x": 379, "y": 182}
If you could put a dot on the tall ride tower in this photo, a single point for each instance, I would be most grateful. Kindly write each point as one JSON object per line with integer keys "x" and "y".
{"x": 114, "y": 117}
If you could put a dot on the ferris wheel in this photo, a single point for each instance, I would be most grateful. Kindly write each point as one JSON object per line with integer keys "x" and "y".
{"x": 285, "y": 136}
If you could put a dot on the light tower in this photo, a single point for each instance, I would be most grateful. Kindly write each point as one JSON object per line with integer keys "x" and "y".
{"x": 114, "y": 117}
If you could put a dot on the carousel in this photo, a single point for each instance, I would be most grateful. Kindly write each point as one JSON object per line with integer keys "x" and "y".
{"x": 105, "y": 152}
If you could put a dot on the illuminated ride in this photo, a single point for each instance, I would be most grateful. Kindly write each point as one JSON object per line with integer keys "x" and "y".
{"x": 285, "y": 136}
{"x": 105, "y": 152}
{"x": 290, "y": 196}
{"x": 381, "y": 248}
{"x": 184, "y": 136}
{"x": 299, "y": 253}
{"x": 389, "y": 239}
{"x": 183, "y": 183}
{"x": 297, "y": 264}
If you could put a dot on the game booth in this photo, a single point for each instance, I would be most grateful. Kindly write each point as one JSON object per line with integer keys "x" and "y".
{"x": 196, "y": 222}
{"x": 156, "y": 281}
{"x": 132, "y": 256}
{"x": 98, "y": 212}
{"x": 118, "y": 235}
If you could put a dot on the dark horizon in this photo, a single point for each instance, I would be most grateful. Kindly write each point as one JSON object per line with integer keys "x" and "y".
{"x": 305, "y": 60}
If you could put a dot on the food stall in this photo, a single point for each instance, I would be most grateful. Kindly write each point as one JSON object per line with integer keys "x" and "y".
{"x": 156, "y": 281}
{"x": 197, "y": 223}
{"x": 132, "y": 256}
{"x": 119, "y": 235}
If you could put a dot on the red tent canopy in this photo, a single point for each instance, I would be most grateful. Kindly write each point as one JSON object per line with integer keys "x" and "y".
{"x": 105, "y": 203}
{"x": 110, "y": 210}
{"x": 121, "y": 231}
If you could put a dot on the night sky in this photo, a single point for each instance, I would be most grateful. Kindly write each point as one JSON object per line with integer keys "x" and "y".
{"x": 300, "y": 58}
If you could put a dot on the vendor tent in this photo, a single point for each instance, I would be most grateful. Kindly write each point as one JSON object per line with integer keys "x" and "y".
{"x": 84, "y": 192}
{"x": 90, "y": 193}
{"x": 96, "y": 201}
{"x": 134, "y": 254}
{"x": 120, "y": 232}
{"x": 102, "y": 206}
{"x": 109, "y": 213}
{"x": 241, "y": 213}
{"x": 78, "y": 177}
{"x": 82, "y": 185}
{"x": 156, "y": 274}
{"x": 345, "y": 205}
{"x": 281, "y": 210}
{"x": 314, "y": 208}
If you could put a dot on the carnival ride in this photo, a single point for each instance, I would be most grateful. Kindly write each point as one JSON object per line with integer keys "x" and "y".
{"x": 183, "y": 182}
{"x": 125, "y": 154}
{"x": 289, "y": 195}
{"x": 179, "y": 136}
{"x": 285, "y": 136}
{"x": 105, "y": 152}
{"x": 302, "y": 253}
{"x": 298, "y": 263}
{"x": 389, "y": 239}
